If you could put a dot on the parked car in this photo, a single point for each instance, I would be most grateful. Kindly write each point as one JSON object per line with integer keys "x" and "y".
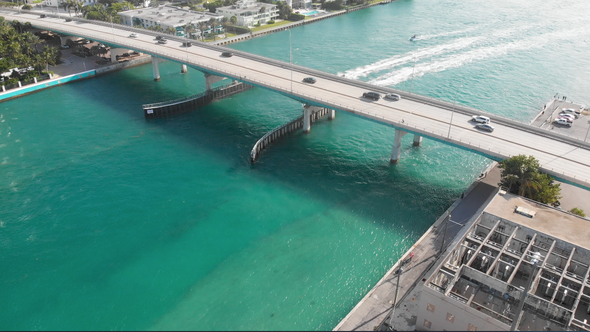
{"x": 64, "y": 47}
{"x": 571, "y": 111}
{"x": 310, "y": 80}
{"x": 574, "y": 114}
{"x": 187, "y": 44}
{"x": 227, "y": 54}
{"x": 133, "y": 35}
{"x": 372, "y": 95}
{"x": 480, "y": 119}
{"x": 567, "y": 116}
{"x": 162, "y": 41}
{"x": 393, "y": 96}
{"x": 563, "y": 122}
{"x": 485, "y": 126}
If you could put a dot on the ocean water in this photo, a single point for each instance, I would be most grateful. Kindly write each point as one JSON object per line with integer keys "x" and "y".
{"x": 109, "y": 221}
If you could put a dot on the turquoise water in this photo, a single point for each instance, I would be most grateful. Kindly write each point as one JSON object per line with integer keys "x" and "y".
{"x": 109, "y": 221}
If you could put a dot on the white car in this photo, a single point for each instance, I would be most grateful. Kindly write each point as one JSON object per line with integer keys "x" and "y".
{"x": 393, "y": 96}
{"x": 480, "y": 119}
{"x": 567, "y": 116}
{"x": 133, "y": 35}
{"x": 563, "y": 122}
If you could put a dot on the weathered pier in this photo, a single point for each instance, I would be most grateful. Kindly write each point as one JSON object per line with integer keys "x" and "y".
{"x": 289, "y": 127}
{"x": 189, "y": 103}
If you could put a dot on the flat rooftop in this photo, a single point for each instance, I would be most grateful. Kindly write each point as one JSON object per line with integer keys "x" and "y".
{"x": 514, "y": 240}
{"x": 170, "y": 15}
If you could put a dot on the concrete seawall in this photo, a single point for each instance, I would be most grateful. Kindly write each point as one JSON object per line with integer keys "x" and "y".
{"x": 25, "y": 90}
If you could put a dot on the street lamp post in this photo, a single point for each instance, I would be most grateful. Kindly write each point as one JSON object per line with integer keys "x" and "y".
{"x": 452, "y": 113}
{"x": 445, "y": 234}
{"x": 400, "y": 270}
{"x": 112, "y": 29}
{"x": 291, "y": 59}
{"x": 587, "y": 131}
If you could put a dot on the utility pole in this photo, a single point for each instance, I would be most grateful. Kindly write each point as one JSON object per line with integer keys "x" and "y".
{"x": 442, "y": 245}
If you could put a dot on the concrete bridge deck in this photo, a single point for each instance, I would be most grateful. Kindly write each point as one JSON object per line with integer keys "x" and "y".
{"x": 564, "y": 157}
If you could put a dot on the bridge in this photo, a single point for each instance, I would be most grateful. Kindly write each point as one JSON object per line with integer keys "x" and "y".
{"x": 566, "y": 158}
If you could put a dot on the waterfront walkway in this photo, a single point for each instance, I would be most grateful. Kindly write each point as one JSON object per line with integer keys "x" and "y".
{"x": 376, "y": 306}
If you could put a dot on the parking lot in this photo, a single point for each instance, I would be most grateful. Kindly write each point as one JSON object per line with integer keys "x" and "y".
{"x": 580, "y": 126}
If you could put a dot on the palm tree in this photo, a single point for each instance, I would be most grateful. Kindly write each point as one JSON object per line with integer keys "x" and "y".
{"x": 171, "y": 31}
{"x": 189, "y": 29}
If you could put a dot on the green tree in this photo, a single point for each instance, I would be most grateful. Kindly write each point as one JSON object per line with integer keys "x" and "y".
{"x": 171, "y": 31}
{"x": 521, "y": 176}
{"x": 578, "y": 212}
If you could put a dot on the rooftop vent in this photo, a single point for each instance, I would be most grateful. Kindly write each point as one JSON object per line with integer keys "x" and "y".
{"x": 525, "y": 212}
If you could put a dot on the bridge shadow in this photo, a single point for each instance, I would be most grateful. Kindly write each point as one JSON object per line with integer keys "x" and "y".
{"x": 371, "y": 188}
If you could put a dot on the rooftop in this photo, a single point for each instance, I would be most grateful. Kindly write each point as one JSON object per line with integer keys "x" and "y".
{"x": 490, "y": 265}
{"x": 169, "y": 15}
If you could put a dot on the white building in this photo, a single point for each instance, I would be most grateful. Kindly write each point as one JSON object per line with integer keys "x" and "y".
{"x": 250, "y": 12}
{"x": 301, "y": 4}
{"x": 513, "y": 244}
{"x": 56, "y": 3}
{"x": 168, "y": 17}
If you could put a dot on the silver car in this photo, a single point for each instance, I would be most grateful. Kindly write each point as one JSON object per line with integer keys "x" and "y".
{"x": 393, "y": 96}
{"x": 485, "y": 126}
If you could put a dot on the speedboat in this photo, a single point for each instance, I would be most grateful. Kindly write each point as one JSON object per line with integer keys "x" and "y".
{"x": 414, "y": 37}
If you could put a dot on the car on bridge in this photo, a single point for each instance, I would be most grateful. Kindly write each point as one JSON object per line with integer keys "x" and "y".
{"x": 227, "y": 54}
{"x": 42, "y": 16}
{"x": 310, "y": 80}
{"x": 393, "y": 96}
{"x": 133, "y": 35}
{"x": 372, "y": 95}
{"x": 160, "y": 37}
{"x": 187, "y": 44}
{"x": 485, "y": 126}
{"x": 480, "y": 119}
{"x": 563, "y": 122}
{"x": 68, "y": 19}
{"x": 162, "y": 41}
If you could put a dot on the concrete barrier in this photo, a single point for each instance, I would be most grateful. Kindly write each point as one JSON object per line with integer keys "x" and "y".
{"x": 13, "y": 93}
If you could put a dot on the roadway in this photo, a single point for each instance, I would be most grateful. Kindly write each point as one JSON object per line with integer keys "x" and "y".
{"x": 566, "y": 158}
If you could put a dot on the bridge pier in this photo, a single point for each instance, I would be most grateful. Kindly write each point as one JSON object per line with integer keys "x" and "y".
{"x": 155, "y": 68}
{"x": 397, "y": 146}
{"x": 210, "y": 79}
{"x": 331, "y": 114}
{"x": 417, "y": 140}
{"x": 183, "y": 69}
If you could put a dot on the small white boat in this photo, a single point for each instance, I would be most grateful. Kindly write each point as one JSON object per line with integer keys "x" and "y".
{"x": 414, "y": 37}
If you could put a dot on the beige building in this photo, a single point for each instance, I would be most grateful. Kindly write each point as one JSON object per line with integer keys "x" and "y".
{"x": 479, "y": 284}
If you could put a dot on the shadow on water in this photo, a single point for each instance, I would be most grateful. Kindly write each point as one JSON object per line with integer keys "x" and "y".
{"x": 371, "y": 188}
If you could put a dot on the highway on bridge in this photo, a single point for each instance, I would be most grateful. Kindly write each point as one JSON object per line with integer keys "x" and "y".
{"x": 564, "y": 157}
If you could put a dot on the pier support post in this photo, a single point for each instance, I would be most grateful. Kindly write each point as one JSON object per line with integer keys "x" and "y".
{"x": 210, "y": 79}
{"x": 20, "y": 85}
{"x": 183, "y": 69}
{"x": 307, "y": 118}
{"x": 35, "y": 79}
{"x": 397, "y": 146}
{"x": 417, "y": 140}
{"x": 3, "y": 88}
{"x": 155, "y": 68}
{"x": 331, "y": 114}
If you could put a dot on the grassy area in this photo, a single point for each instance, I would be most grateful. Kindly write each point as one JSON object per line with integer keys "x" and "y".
{"x": 270, "y": 26}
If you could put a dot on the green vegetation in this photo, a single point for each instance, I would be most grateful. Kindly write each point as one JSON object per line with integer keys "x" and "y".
{"x": 333, "y": 5}
{"x": 269, "y": 26}
{"x": 296, "y": 17}
{"x": 578, "y": 212}
{"x": 27, "y": 7}
{"x": 19, "y": 48}
{"x": 521, "y": 176}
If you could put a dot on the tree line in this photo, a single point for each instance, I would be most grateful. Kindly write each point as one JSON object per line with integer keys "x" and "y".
{"x": 19, "y": 48}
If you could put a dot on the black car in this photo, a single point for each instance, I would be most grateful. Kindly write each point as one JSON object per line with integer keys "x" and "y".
{"x": 187, "y": 44}
{"x": 227, "y": 54}
{"x": 310, "y": 80}
{"x": 68, "y": 20}
{"x": 42, "y": 16}
{"x": 372, "y": 95}
{"x": 160, "y": 37}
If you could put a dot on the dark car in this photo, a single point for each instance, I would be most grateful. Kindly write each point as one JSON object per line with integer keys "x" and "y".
{"x": 160, "y": 37}
{"x": 310, "y": 80}
{"x": 68, "y": 19}
{"x": 227, "y": 54}
{"x": 187, "y": 44}
{"x": 485, "y": 126}
{"x": 372, "y": 95}
{"x": 162, "y": 41}
{"x": 42, "y": 16}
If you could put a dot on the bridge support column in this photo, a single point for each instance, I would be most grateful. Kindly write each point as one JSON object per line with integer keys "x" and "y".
{"x": 397, "y": 146}
{"x": 155, "y": 69}
{"x": 417, "y": 140}
{"x": 210, "y": 79}
{"x": 307, "y": 110}
{"x": 183, "y": 69}
{"x": 331, "y": 114}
